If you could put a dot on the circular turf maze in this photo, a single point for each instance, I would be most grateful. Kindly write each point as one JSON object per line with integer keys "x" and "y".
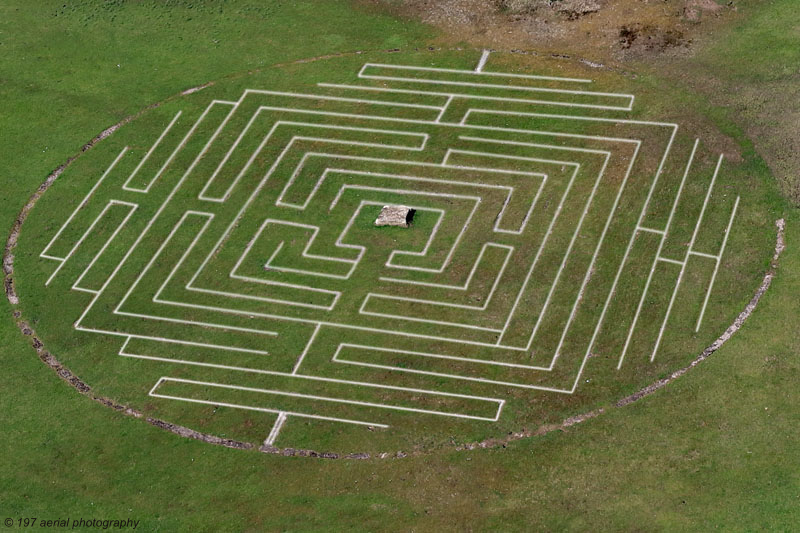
{"x": 215, "y": 262}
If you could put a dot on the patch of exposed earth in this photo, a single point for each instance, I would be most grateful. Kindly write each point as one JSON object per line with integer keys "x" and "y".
{"x": 601, "y": 30}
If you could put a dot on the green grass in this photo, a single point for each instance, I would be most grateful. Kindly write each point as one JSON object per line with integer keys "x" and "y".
{"x": 715, "y": 449}
{"x": 759, "y": 47}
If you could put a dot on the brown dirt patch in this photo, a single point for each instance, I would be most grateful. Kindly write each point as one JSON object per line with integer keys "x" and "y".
{"x": 694, "y": 10}
{"x": 602, "y": 30}
{"x": 649, "y": 38}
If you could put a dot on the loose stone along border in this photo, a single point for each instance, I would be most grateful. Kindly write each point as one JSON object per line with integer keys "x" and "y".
{"x": 267, "y": 447}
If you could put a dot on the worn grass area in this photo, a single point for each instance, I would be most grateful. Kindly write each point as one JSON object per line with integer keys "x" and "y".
{"x": 715, "y": 449}
{"x": 758, "y": 58}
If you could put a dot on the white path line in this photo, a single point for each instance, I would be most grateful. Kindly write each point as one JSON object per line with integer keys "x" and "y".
{"x": 146, "y": 157}
{"x": 716, "y": 267}
{"x": 444, "y": 108}
{"x": 697, "y": 225}
{"x": 338, "y": 99}
{"x": 661, "y": 242}
{"x": 612, "y": 292}
{"x": 482, "y": 73}
{"x": 567, "y": 117}
{"x": 176, "y": 341}
{"x": 86, "y": 234}
{"x": 482, "y": 61}
{"x": 673, "y": 261}
{"x": 468, "y": 96}
{"x": 80, "y": 206}
{"x": 153, "y": 394}
{"x": 701, "y": 254}
{"x": 107, "y": 243}
{"x": 651, "y": 230}
{"x": 305, "y": 351}
{"x": 276, "y": 429}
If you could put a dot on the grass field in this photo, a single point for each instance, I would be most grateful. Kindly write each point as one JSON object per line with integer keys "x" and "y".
{"x": 714, "y": 448}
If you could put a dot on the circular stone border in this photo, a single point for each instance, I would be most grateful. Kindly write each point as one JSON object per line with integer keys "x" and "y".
{"x": 83, "y": 388}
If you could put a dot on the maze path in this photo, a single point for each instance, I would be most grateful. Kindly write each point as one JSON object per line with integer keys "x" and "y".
{"x": 258, "y": 270}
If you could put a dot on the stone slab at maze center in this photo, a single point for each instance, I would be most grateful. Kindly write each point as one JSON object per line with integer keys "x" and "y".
{"x": 395, "y": 215}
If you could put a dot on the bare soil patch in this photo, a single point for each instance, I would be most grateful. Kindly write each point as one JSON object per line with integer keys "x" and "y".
{"x": 650, "y": 38}
{"x": 598, "y": 29}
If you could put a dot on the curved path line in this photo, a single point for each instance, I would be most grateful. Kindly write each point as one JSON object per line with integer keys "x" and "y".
{"x": 65, "y": 374}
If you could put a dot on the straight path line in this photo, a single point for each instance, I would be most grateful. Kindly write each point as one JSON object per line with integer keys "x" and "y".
{"x": 701, "y": 254}
{"x": 86, "y": 234}
{"x": 496, "y": 401}
{"x": 650, "y": 275}
{"x": 651, "y": 230}
{"x": 716, "y": 267}
{"x": 147, "y": 156}
{"x": 464, "y": 71}
{"x": 611, "y": 293}
{"x": 686, "y": 259}
{"x": 81, "y": 205}
{"x": 110, "y": 239}
{"x": 482, "y": 61}
{"x": 276, "y": 429}
{"x": 673, "y": 261}
{"x": 468, "y": 96}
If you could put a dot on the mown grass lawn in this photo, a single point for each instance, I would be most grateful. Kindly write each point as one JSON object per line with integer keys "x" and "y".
{"x": 715, "y": 449}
